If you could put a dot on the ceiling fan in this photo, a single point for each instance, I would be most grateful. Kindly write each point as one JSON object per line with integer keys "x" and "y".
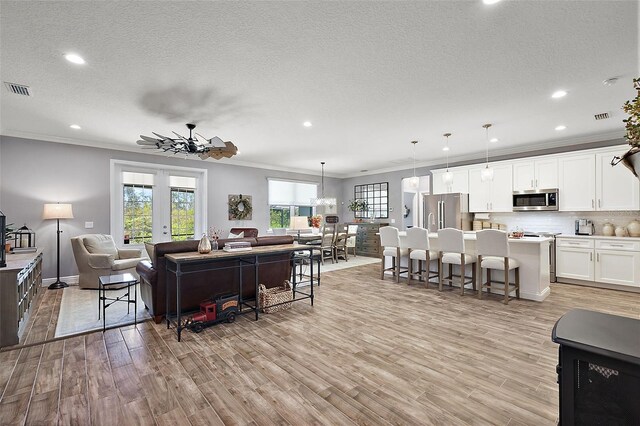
{"x": 215, "y": 147}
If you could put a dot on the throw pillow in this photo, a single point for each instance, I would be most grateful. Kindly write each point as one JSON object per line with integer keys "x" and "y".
{"x": 232, "y": 235}
{"x": 101, "y": 244}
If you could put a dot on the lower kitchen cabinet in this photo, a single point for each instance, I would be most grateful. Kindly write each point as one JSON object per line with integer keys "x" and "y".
{"x": 598, "y": 260}
{"x": 574, "y": 259}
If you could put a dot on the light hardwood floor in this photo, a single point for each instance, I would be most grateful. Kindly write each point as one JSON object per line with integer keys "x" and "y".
{"x": 369, "y": 352}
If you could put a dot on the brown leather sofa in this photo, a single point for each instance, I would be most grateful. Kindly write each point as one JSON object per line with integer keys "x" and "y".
{"x": 203, "y": 285}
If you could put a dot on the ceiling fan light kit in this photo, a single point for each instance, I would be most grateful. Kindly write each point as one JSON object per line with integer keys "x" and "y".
{"x": 215, "y": 147}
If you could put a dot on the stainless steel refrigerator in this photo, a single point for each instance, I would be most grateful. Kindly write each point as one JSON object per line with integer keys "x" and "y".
{"x": 446, "y": 211}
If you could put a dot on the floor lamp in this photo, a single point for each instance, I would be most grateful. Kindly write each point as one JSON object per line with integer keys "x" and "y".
{"x": 57, "y": 212}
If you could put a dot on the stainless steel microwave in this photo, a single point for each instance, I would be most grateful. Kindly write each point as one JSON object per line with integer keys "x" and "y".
{"x": 537, "y": 199}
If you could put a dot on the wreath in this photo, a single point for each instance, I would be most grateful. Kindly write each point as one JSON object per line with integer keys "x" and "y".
{"x": 239, "y": 207}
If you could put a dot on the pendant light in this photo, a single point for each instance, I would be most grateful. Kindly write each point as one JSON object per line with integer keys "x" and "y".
{"x": 414, "y": 182}
{"x": 447, "y": 177}
{"x": 323, "y": 201}
{"x": 487, "y": 173}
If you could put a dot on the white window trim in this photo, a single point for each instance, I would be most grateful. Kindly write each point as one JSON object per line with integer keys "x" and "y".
{"x": 116, "y": 169}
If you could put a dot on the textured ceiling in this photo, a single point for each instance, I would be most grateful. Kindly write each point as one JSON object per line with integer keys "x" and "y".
{"x": 370, "y": 76}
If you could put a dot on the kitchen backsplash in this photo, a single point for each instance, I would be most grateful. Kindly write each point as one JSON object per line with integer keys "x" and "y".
{"x": 563, "y": 222}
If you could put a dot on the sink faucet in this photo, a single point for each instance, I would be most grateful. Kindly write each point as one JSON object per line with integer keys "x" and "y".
{"x": 430, "y": 220}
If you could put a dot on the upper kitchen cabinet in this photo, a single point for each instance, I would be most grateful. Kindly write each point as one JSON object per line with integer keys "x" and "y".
{"x": 494, "y": 195}
{"x": 577, "y": 182}
{"x": 535, "y": 174}
{"x": 616, "y": 187}
{"x": 460, "y": 182}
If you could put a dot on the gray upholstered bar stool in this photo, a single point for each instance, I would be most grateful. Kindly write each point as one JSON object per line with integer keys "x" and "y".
{"x": 452, "y": 252}
{"x": 493, "y": 253}
{"x": 417, "y": 244}
{"x": 390, "y": 242}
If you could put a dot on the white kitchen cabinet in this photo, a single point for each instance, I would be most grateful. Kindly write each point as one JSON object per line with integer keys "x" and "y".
{"x": 460, "y": 182}
{"x": 611, "y": 261}
{"x": 616, "y": 187}
{"x": 494, "y": 195}
{"x": 577, "y": 182}
{"x": 618, "y": 262}
{"x": 535, "y": 174}
{"x": 574, "y": 259}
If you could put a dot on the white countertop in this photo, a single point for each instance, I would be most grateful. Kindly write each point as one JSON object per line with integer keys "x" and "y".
{"x": 471, "y": 236}
{"x": 598, "y": 237}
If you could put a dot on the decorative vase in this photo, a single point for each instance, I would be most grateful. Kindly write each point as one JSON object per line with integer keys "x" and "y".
{"x": 204, "y": 246}
{"x": 608, "y": 230}
{"x": 214, "y": 244}
{"x": 621, "y": 231}
{"x": 634, "y": 228}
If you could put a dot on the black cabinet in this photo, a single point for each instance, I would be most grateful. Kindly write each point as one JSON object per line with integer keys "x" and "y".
{"x": 598, "y": 369}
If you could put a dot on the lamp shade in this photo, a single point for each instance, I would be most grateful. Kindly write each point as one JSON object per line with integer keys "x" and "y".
{"x": 300, "y": 222}
{"x": 57, "y": 211}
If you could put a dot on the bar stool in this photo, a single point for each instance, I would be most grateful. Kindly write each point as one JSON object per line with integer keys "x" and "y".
{"x": 390, "y": 242}
{"x": 452, "y": 252}
{"x": 419, "y": 249}
{"x": 493, "y": 253}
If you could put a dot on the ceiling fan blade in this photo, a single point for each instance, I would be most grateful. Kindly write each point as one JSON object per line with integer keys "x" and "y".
{"x": 215, "y": 141}
{"x": 161, "y": 137}
{"x": 149, "y": 139}
{"x": 145, "y": 142}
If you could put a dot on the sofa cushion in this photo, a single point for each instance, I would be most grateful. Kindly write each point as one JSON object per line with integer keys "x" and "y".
{"x": 151, "y": 250}
{"x": 248, "y": 232}
{"x": 101, "y": 244}
{"x": 273, "y": 240}
{"x": 232, "y": 235}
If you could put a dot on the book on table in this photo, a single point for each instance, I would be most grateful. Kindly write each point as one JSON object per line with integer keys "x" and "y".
{"x": 237, "y": 246}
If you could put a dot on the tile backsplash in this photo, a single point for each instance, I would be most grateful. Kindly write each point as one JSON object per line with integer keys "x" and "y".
{"x": 561, "y": 221}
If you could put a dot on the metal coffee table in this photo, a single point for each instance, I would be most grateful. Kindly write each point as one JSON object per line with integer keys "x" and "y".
{"x": 117, "y": 282}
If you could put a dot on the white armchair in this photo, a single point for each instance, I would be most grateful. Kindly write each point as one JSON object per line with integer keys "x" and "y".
{"x": 97, "y": 255}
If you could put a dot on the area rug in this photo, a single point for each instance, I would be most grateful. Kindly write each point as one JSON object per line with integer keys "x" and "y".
{"x": 79, "y": 311}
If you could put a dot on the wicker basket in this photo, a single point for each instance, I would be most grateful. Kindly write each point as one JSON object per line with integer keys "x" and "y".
{"x": 275, "y": 295}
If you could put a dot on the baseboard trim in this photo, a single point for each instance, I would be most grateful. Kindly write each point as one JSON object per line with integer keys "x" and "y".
{"x": 71, "y": 280}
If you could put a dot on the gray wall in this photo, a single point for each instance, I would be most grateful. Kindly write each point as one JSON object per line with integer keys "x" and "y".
{"x": 33, "y": 173}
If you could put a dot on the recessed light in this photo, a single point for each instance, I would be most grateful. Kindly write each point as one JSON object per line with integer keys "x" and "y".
{"x": 559, "y": 94}
{"x": 446, "y": 148}
{"x": 307, "y": 124}
{"x": 560, "y": 127}
{"x": 490, "y": 1}
{"x": 75, "y": 126}
{"x": 494, "y": 140}
{"x": 73, "y": 58}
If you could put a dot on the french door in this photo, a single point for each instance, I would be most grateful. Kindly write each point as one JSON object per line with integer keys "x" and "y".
{"x": 155, "y": 203}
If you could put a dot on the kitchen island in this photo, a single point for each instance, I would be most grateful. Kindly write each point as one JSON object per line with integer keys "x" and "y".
{"x": 531, "y": 252}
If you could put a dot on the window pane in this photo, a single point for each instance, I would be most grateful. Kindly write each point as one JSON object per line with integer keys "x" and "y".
{"x": 138, "y": 213}
{"x": 183, "y": 214}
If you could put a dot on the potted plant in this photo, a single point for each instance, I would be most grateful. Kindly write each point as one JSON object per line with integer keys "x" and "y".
{"x": 632, "y": 135}
{"x": 8, "y": 230}
{"x": 358, "y": 205}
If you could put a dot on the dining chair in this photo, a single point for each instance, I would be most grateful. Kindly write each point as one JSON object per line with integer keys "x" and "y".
{"x": 340, "y": 245}
{"x": 417, "y": 244}
{"x": 352, "y": 231}
{"x": 452, "y": 252}
{"x": 327, "y": 244}
{"x": 390, "y": 242}
{"x": 492, "y": 246}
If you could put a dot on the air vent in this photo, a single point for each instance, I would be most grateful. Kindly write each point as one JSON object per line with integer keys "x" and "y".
{"x": 601, "y": 116}
{"x": 18, "y": 89}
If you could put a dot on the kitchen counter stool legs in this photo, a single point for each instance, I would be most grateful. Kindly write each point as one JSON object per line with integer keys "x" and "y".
{"x": 493, "y": 253}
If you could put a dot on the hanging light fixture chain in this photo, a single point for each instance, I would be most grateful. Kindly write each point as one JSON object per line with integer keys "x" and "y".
{"x": 486, "y": 127}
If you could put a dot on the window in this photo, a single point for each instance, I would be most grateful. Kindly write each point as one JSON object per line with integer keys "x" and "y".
{"x": 155, "y": 203}
{"x": 288, "y": 199}
{"x": 377, "y": 197}
{"x": 138, "y": 213}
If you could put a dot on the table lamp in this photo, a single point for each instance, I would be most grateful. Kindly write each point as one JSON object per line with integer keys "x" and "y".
{"x": 58, "y": 211}
{"x": 299, "y": 222}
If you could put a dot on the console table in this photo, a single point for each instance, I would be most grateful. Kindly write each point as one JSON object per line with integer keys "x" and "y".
{"x": 182, "y": 264}
{"x": 19, "y": 284}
